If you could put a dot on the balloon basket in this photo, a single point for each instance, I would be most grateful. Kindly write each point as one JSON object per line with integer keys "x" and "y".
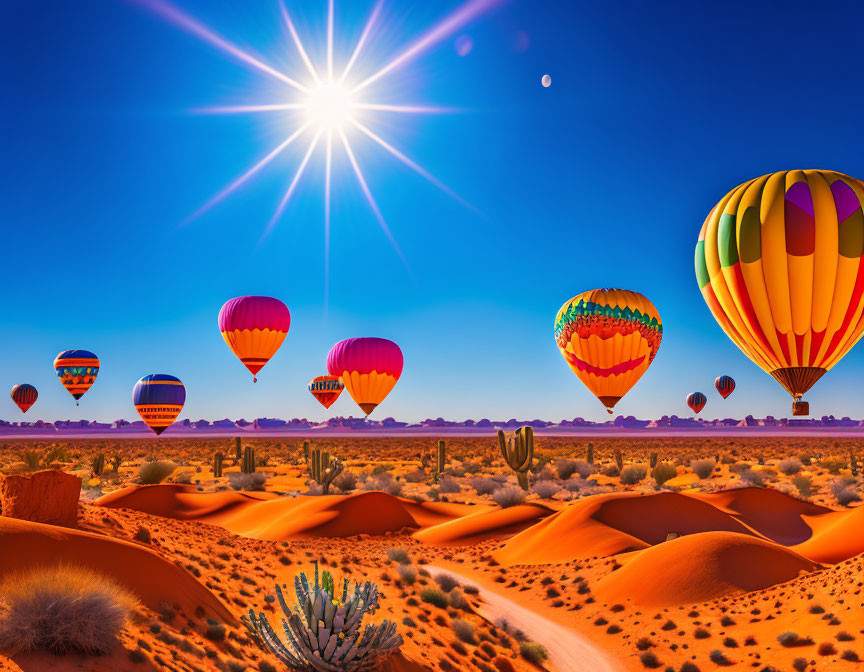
{"x": 800, "y": 408}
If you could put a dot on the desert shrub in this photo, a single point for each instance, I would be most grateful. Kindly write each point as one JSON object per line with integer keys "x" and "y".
{"x": 703, "y": 468}
{"x": 447, "y": 582}
{"x": 384, "y": 482}
{"x": 719, "y": 658}
{"x": 633, "y": 474}
{"x": 416, "y": 476}
{"x": 253, "y": 481}
{"x": 483, "y": 486}
{"x": 151, "y": 473}
{"x": 826, "y": 649}
{"x": 789, "y": 467}
{"x": 457, "y": 600}
{"x": 546, "y": 489}
{"x": 346, "y": 481}
{"x": 788, "y": 639}
{"x": 399, "y": 555}
{"x": 509, "y": 495}
{"x": 407, "y": 574}
{"x": 183, "y": 477}
{"x": 850, "y": 655}
{"x": 62, "y": 609}
{"x": 435, "y": 597}
{"x": 448, "y": 486}
{"x": 611, "y": 470}
{"x": 844, "y": 492}
{"x": 649, "y": 659}
{"x": 833, "y": 464}
{"x": 464, "y": 631}
{"x": 533, "y": 652}
{"x": 800, "y": 664}
{"x": 689, "y": 667}
{"x": 544, "y": 474}
{"x": 804, "y": 485}
{"x": 472, "y": 467}
{"x": 752, "y": 477}
{"x": 565, "y": 468}
{"x": 663, "y": 472}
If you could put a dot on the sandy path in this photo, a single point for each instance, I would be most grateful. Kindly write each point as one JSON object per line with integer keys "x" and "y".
{"x": 568, "y": 650}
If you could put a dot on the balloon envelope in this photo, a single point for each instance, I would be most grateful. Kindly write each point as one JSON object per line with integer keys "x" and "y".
{"x": 369, "y": 368}
{"x": 725, "y": 385}
{"x": 609, "y": 337}
{"x": 77, "y": 370}
{"x": 779, "y": 263}
{"x": 24, "y": 396}
{"x": 254, "y": 327}
{"x": 696, "y": 401}
{"x": 159, "y": 398}
{"x": 326, "y": 389}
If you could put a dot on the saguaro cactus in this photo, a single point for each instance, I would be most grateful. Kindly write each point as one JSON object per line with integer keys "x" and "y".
{"x": 322, "y": 469}
{"x": 590, "y": 456}
{"x": 306, "y": 451}
{"x": 217, "y": 465}
{"x": 619, "y": 459}
{"x": 440, "y": 460}
{"x": 238, "y": 449}
{"x": 98, "y": 464}
{"x": 653, "y": 460}
{"x": 248, "y": 465}
{"x": 853, "y": 463}
{"x": 518, "y": 451}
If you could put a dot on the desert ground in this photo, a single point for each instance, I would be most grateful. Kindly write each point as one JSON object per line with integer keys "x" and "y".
{"x": 623, "y": 554}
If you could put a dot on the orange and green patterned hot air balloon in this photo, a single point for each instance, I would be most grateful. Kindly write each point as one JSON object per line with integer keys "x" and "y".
{"x": 77, "y": 371}
{"x": 369, "y": 368}
{"x": 326, "y": 389}
{"x": 779, "y": 263}
{"x": 609, "y": 337}
{"x": 254, "y": 327}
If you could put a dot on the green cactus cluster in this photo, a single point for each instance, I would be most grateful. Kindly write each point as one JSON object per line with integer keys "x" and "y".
{"x": 518, "y": 451}
{"x": 218, "y": 459}
{"x": 324, "y": 632}
{"x": 323, "y": 469}
{"x": 247, "y": 466}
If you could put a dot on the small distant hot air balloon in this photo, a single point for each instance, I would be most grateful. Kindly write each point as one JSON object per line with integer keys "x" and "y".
{"x": 696, "y": 401}
{"x": 369, "y": 368}
{"x": 779, "y": 262}
{"x": 326, "y": 389}
{"x": 77, "y": 370}
{"x": 609, "y": 337}
{"x": 159, "y": 398}
{"x": 254, "y": 327}
{"x": 546, "y": 81}
{"x": 24, "y": 396}
{"x": 725, "y": 385}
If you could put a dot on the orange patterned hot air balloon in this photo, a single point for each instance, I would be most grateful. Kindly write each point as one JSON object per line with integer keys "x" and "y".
{"x": 369, "y": 368}
{"x": 779, "y": 263}
{"x": 609, "y": 337}
{"x": 254, "y": 327}
{"x": 326, "y": 389}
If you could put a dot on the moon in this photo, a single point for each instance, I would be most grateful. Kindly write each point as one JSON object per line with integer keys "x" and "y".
{"x": 546, "y": 81}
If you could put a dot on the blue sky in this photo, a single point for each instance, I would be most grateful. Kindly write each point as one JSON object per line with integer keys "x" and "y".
{"x": 603, "y": 179}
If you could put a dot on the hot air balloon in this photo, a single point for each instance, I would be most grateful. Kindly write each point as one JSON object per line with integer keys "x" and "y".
{"x": 369, "y": 368}
{"x": 77, "y": 370}
{"x": 725, "y": 385}
{"x": 779, "y": 264}
{"x": 609, "y": 337}
{"x": 24, "y": 396}
{"x": 696, "y": 401}
{"x": 326, "y": 389}
{"x": 159, "y": 398}
{"x": 254, "y": 328}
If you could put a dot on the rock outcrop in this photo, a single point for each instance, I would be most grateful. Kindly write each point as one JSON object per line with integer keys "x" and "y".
{"x": 49, "y": 496}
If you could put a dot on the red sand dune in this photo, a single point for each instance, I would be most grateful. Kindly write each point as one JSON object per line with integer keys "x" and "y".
{"x": 483, "y": 525}
{"x": 282, "y": 518}
{"x": 700, "y": 568}
{"x": 836, "y": 536}
{"x": 153, "y": 579}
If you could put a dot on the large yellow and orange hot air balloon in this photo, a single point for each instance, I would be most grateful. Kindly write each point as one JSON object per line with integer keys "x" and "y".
{"x": 254, "y": 328}
{"x": 779, "y": 263}
{"x": 368, "y": 367}
{"x": 609, "y": 337}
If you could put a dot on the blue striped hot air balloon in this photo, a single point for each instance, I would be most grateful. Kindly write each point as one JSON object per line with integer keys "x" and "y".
{"x": 159, "y": 398}
{"x": 696, "y": 401}
{"x": 725, "y": 385}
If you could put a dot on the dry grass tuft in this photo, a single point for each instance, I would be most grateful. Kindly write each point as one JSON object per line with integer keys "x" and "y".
{"x": 62, "y": 609}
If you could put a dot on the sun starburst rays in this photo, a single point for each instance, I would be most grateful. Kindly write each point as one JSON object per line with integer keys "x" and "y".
{"x": 328, "y": 105}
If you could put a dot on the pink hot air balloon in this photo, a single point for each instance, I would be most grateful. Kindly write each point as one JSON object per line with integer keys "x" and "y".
{"x": 254, "y": 328}
{"x": 369, "y": 368}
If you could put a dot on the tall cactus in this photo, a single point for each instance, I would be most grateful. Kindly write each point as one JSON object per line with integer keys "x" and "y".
{"x": 322, "y": 469}
{"x": 238, "y": 449}
{"x": 98, "y": 464}
{"x": 619, "y": 459}
{"x": 590, "y": 456}
{"x": 218, "y": 458}
{"x": 324, "y": 631}
{"x": 306, "y": 451}
{"x": 440, "y": 460}
{"x": 248, "y": 464}
{"x": 853, "y": 462}
{"x": 652, "y": 460}
{"x": 518, "y": 451}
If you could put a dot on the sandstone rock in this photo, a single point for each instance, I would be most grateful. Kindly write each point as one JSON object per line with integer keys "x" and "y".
{"x": 49, "y": 496}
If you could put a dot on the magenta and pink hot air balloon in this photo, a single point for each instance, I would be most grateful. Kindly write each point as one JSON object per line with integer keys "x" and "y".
{"x": 369, "y": 368}
{"x": 254, "y": 327}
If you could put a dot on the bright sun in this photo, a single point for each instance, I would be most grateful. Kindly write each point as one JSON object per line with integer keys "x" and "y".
{"x": 329, "y": 106}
